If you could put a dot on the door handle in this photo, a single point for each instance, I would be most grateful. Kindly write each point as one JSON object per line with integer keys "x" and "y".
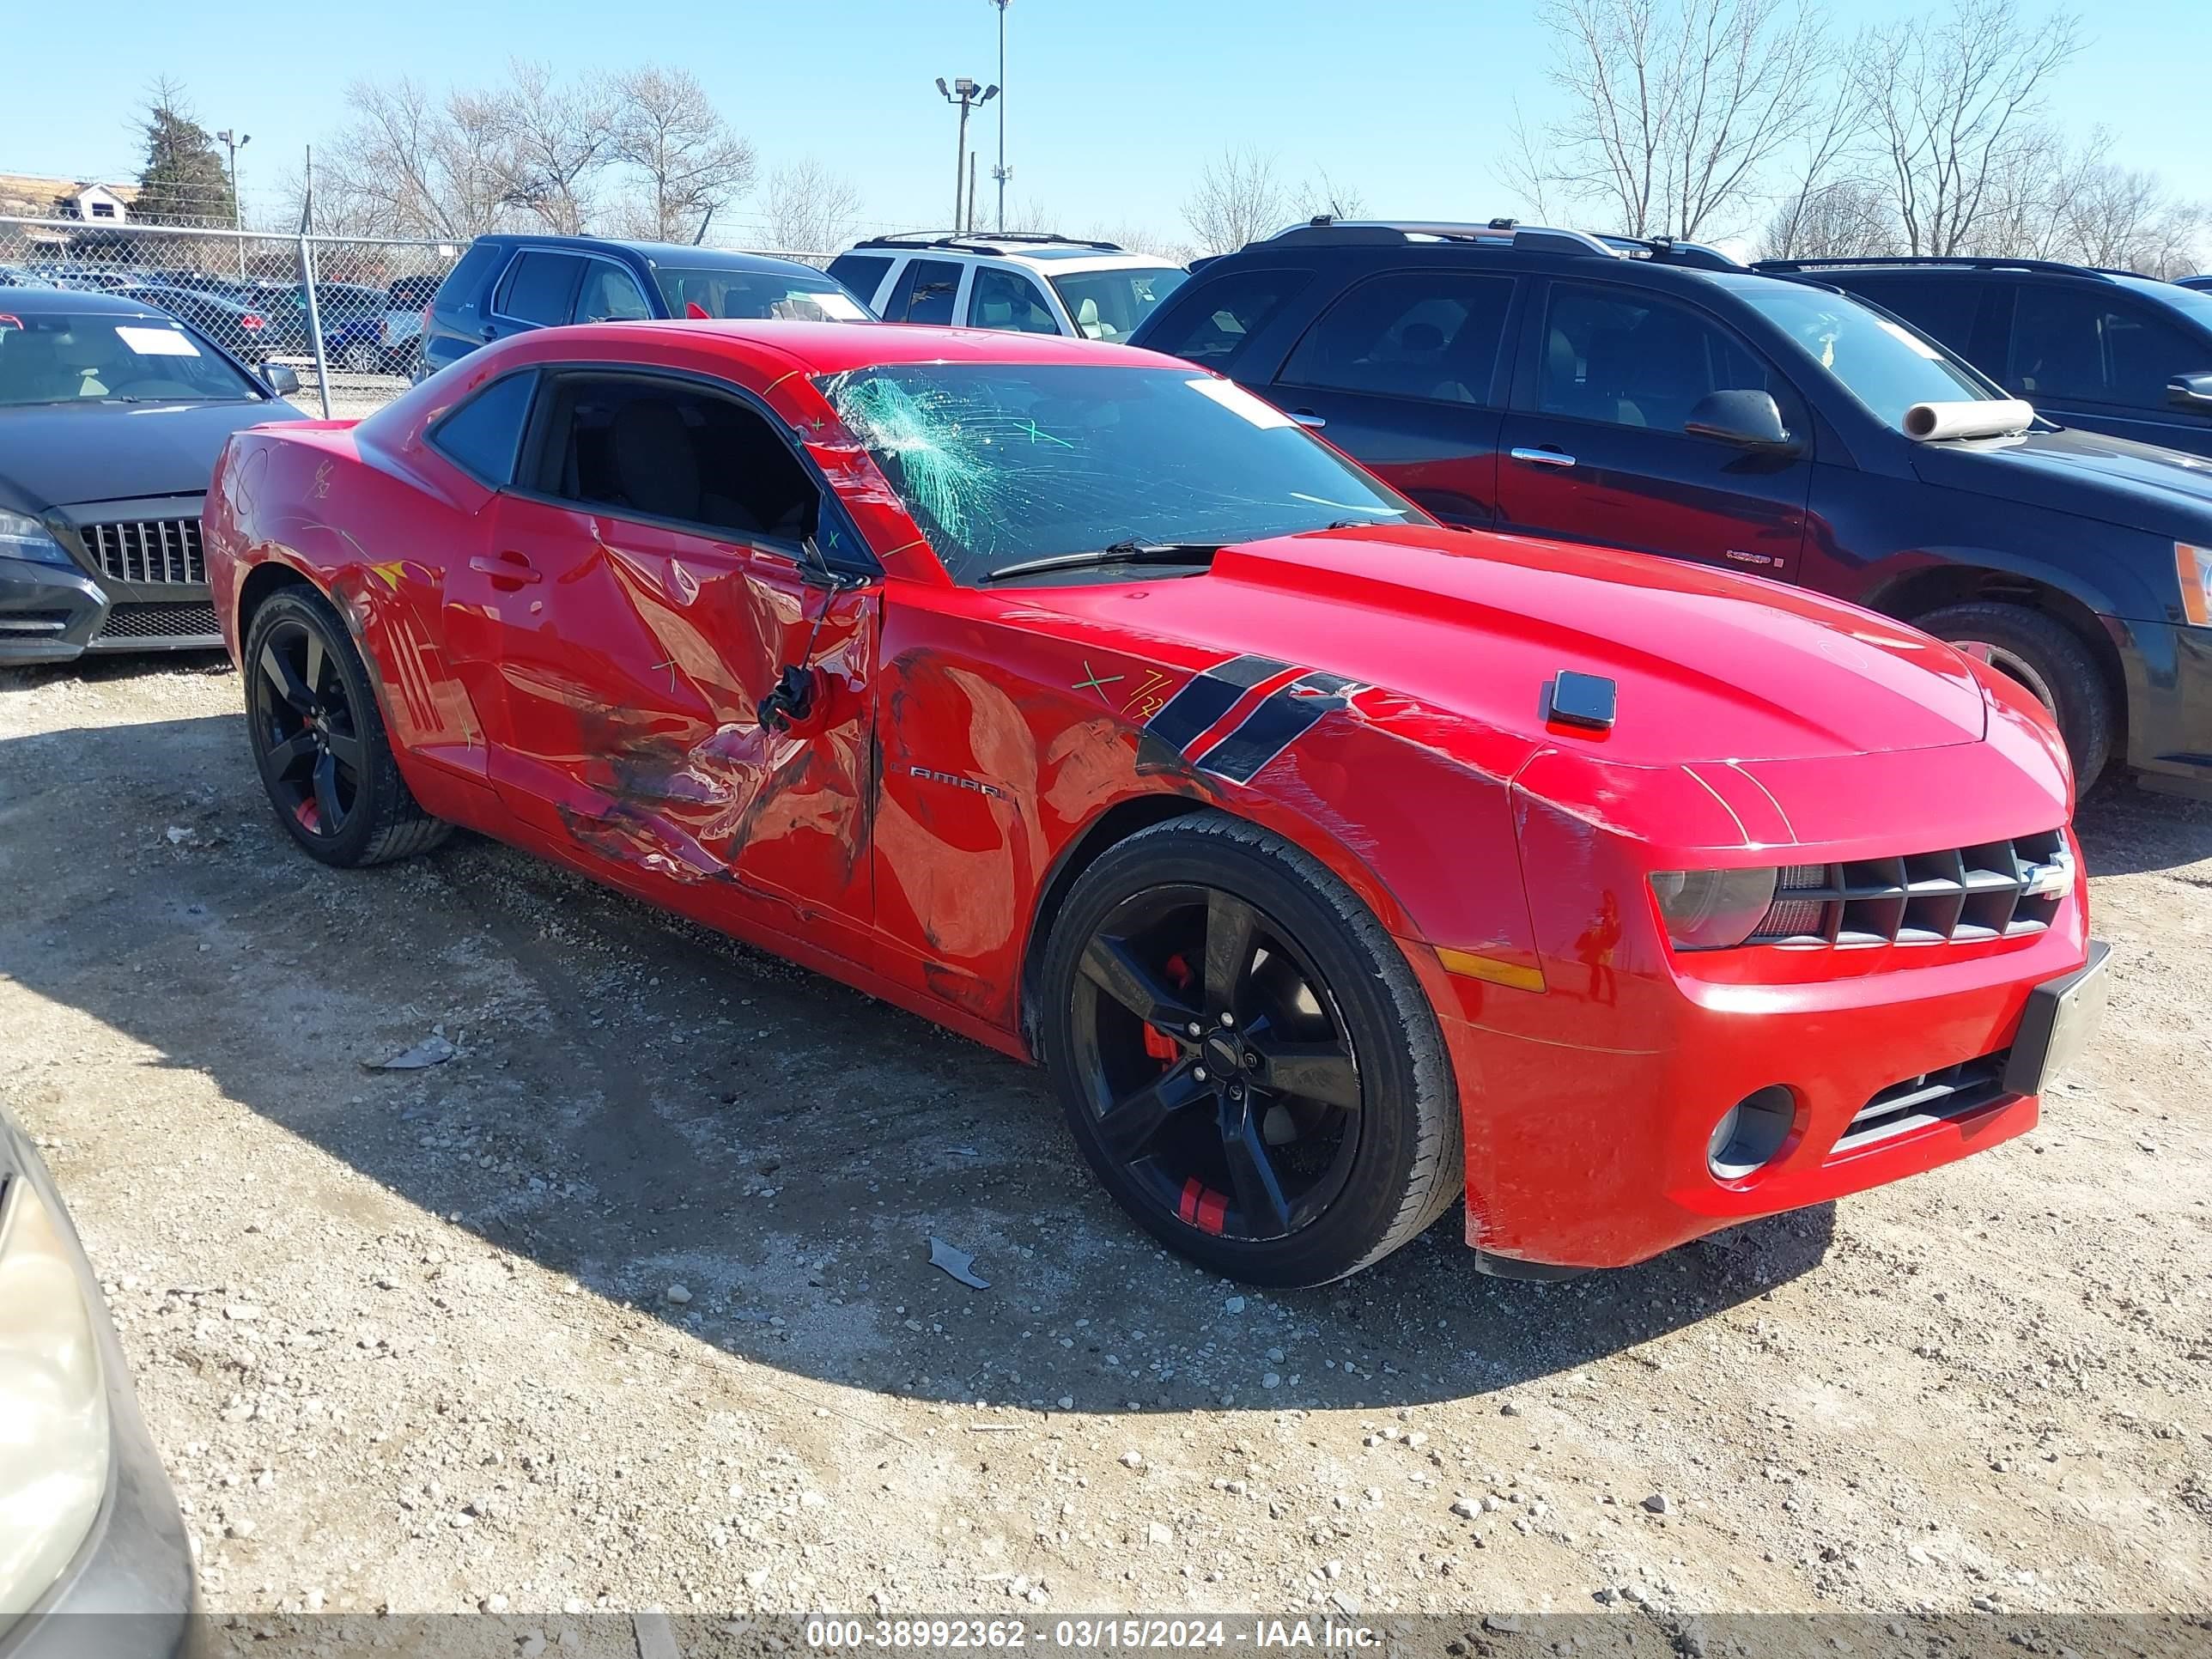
{"x": 1544, "y": 457}
{"x": 1306, "y": 417}
{"x": 490, "y": 332}
{"x": 510, "y": 569}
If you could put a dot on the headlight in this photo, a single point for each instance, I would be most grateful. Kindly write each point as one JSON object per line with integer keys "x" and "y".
{"x": 1712, "y": 909}
{"x": 2194, "y": 565}
{"x": 53, "y": 1412}
{"x": 24, "y": 537}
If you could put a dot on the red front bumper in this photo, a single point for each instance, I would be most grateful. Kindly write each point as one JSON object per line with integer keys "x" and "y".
{"x": 1589, "y": 1107}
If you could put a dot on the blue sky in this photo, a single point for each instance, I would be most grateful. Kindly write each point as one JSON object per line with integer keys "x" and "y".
{"x": 1111, "y": 109}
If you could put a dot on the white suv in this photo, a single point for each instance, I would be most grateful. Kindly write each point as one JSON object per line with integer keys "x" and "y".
{"x": 1026, "y": 281}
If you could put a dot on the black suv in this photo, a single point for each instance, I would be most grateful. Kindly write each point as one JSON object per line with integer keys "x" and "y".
{"x": 506, "y": 284}
{"x": 2105, "y": 349}
{"x": 1657, "y": 397}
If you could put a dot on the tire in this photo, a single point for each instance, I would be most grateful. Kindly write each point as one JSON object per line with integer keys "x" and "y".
{"x": 1203, "y": 1140}
{"x": 360, "y": 358}
{"x": 319, "y": 741}
{"x": 2051, "y": 660}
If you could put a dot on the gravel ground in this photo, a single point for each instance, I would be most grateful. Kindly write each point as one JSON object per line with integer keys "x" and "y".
{"x": 411, "y": 1340}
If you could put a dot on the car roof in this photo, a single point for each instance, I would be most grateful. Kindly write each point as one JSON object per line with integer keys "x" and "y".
{"x": 49, "y": 302}
{"x": 835, "y": 348}
{"x": 658, "y": 253}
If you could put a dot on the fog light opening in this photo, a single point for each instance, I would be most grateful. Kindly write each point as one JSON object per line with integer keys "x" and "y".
{"x": 1751, "y": 1133}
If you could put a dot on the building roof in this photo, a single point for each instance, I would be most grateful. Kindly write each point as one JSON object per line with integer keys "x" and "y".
{"x": 33, "y": 195}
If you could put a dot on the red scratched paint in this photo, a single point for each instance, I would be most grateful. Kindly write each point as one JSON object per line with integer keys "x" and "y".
{"x": 964, "y": 741}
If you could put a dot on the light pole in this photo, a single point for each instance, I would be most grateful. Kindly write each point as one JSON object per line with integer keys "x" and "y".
{"x": 966, "y": 94}
{"x": 236, "y": 141}
{"x": 1002, "y": 172}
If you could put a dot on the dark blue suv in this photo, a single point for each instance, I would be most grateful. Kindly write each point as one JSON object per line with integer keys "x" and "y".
{"x": 1658, "y": 397}
{"x": 505, "y": 284}
{"x": 2105, "y": 349}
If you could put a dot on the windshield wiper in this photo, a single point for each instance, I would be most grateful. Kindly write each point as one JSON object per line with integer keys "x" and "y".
{"x": 1131, "y": 551}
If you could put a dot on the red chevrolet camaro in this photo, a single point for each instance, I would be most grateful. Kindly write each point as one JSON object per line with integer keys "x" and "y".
{"x": 1329, "y": 859}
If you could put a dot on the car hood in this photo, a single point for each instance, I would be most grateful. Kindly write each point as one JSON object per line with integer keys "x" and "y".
{"x": 2115, "y": 480}
{"x": 55, "y": 455}
{"x": 1708, "y": 665}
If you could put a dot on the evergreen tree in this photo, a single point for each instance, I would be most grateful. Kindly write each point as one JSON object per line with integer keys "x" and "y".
{"x": 184, "y": 181}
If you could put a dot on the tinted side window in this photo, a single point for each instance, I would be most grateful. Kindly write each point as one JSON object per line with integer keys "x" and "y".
{"x": 1213, "y": 319}
{"x": 462, "y": 283}
{"x": 661, "y": 449}
{"x": 1006, "y": 298}
{"x": 538, "y": 288}
{"x": 481, "y": 436}
{"x": 1412, "y": 334}
{"x": 925, "y": 293}
{"x": 1620, "y": 358}
{"x": 860, "y": 272}
{"x": 2074, "y": 342}
{"x": 609, "y": 295}
{"x": 1942, "y": 306}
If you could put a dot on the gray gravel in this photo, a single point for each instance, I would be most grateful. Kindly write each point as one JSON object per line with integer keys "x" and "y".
{"x": 413, "y": 1340}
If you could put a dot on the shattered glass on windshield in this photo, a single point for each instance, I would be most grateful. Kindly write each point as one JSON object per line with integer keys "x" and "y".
{"x": 1000, "y": 463}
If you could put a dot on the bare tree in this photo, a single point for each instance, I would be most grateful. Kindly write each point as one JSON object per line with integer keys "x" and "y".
{"x": 1333, "y": 197}
{"x": 810, "y": 209}
{"x": 410, "y": 164}
{"x": 1845, "y": 219}
{"x": 1239, "y": 198}
{"x": 1673, "y": 107}
{"x": 665, "y": 127}
{"x": 1140, "y": 237}
{"x": 556, "y": 140}
{"x": 1955, "y": 99}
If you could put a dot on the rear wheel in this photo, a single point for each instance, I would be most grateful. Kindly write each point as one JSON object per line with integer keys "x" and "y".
{"x": 360, "y": 357}
{"x": 318, "y": 740}
{"x": 1244, "y": 1056}
{"x": 2049, "y": 659}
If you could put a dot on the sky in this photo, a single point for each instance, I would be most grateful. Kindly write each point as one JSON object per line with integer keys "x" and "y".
{"x": 1111, "y": 110}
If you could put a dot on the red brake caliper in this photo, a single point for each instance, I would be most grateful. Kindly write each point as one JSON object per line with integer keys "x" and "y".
{"x": 1199, "y": 1204}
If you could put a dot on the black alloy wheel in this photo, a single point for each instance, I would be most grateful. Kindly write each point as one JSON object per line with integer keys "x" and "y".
{"x": 1245, "y": 1056}
{"x": 318, "y": 738}
{"x": 1219, "y": 1067}
{"x": 306, "y": 734}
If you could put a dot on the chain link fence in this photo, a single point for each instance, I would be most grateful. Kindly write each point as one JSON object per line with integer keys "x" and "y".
{"x": 346, "y": 313}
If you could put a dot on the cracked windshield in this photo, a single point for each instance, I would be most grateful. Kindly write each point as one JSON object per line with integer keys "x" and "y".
{"x": 1005, "y": 464}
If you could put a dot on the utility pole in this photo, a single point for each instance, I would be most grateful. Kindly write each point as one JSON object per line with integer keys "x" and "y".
{"x": 967, "y": 95}
{"x": 236, "y": 141}
{"x": 1002, "y": 172}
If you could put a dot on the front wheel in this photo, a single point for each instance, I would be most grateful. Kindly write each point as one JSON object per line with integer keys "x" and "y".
{"x": 1245, "y": 1057}
{"x": 318, "y": 740}
{"x": 2049, "y": 659}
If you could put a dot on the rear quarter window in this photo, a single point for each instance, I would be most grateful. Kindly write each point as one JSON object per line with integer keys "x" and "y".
{"x": 1214, "y": 320}
{"x": 482, "y": 436}
{"x": 463, "y": 285}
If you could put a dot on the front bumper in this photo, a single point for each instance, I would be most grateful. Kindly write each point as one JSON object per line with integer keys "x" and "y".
{"x": 156, "y": 598}
{"x": 130, "y": 1592}
{"x": 48, "y": 612}
{"x": 1590, "y": 1105}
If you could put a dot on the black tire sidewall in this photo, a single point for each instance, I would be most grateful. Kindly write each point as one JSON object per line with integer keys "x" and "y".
{"x": 1357, "y": 1226}
{"x": 378, "y": 775}
{"x": 2084, "y": 712}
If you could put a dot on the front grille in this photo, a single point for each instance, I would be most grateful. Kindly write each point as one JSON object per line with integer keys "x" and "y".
{"x": 1931, "y": 1097}
{"x": 147, "y": 551}
{"x": 2002, "y": 889}
{"x": 158, "y": 622}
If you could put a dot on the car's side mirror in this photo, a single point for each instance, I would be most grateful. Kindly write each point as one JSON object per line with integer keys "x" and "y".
{"x": 2190, "y": 391}
{"x": 281, "y": 378}
{"x": 1752, "y": 420}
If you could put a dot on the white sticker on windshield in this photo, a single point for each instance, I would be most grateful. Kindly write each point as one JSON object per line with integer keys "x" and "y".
{"x": 1913, "y": 340}
{"x": 157, "y": 341}
{"x": 1235, "y": 400}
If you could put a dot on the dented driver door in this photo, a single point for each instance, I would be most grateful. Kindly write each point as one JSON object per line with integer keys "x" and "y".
{"x": 632, "y": 658}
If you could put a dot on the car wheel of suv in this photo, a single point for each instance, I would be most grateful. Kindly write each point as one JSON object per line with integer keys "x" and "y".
{"x": 318, "y": 740}
{"x": 2049, "y": 659}
{"x": 1244, "y": 1056}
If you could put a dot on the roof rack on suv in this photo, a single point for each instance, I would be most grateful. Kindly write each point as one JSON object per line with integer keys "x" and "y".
{"x": 991, "y": 242}
{"x": 1504, "y": 233}
{"x": 1966, "y": 261}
